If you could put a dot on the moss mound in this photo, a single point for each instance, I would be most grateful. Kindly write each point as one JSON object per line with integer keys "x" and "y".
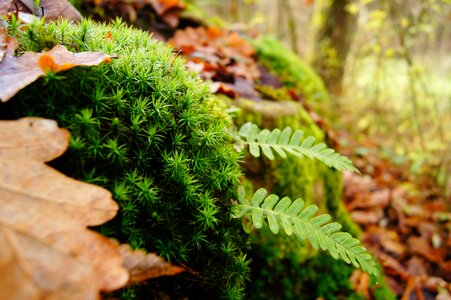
{"x": 294, "y": 274}
{"x": 293, "y": 72}
{"x": 294, "y": 177}
{"x": 141, "y": 126}
{"x": 282, "y": 269}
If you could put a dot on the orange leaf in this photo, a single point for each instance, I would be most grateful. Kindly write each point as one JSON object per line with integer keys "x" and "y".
{"x": 142, "y": 266}
{"x": 18, "y": 72}
{"x": 54, "y": 9}
{"x": 46, "y": 250}
{"x": 108, "y": 36}
{"x": 163, "y": 6}
{"x": 214, "y": 32}
{"x": 47, "y": 64}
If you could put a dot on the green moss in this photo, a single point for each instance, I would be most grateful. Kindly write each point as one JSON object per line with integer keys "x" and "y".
{"x": 293, "y": 72}
{"x": 270, "y": 93}
{"x": 284, "y": 272}
{"x": 283, "y": 269}
{"x": 142, "y": 127}
{"x": 383, "y": 292}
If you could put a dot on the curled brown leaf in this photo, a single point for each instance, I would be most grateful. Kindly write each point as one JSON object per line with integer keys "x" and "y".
{"x": 18, "y": 72}
{"x": 142, "y": 266}
{"x": 46, "y": 250}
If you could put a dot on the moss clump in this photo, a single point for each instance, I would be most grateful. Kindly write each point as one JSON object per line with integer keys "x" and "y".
{"x": 293, "y": 274}
{"x": 141, "y": 126}
{"x": 281, "y": 268}
{"x": 293, "y": 72}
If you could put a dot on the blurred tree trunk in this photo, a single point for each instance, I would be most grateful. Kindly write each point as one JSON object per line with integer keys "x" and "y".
{"x": 333, "y": 32}
{"x": 286, "y": 6}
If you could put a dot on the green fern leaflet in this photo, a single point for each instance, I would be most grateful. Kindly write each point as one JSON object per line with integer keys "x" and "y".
{"x": 297, "y": 220}
{"x": 282, "y": 141}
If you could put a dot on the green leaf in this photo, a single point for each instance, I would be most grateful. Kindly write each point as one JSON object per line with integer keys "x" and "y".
{"x": 300, "y": 222}
{"x": 286, "y": 141}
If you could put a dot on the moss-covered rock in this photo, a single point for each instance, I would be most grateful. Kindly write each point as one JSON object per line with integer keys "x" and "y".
{"x": 142, "y": 127}
{"x": 281, "y": 268}
{"x": 309, "y": 179}
{"x": 290, "y": 69}
{"x": 281, "y": 271}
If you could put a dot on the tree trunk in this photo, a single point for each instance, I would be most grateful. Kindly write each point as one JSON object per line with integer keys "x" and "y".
{"x": 334, "y": 30}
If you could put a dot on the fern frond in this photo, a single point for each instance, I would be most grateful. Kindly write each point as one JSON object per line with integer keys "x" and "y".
{"x": 297, "y": 220}
{"x": 282, "y": 141}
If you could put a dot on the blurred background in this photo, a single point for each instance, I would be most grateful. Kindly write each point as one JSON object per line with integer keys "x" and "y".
{"x": 386, "y": 63}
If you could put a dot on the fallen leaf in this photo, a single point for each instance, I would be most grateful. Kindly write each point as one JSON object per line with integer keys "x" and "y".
{"x": 172, "y": 18}
{"x": 54, "y": 9}
{"x": 18, "y": 72}
{"x": 3, "y": 43}
{"x": 142, "y": 266}
{"x": 436, "y": 284}
{"x": 195, "y": 67}
{"x": 226, "y": 56}
{"x": 367, "y": 217}
{"x": 422, "y": 247}
{"x": 392, "y": 266}
{"x": 223, "y": 88}
{"x": 412, "y": 286}
{"x": 416, "y": 267}
{"x": 163, "y": 6}
{"x": 46, "y": 250}
{"x": 395, "y": 285}
{"x": 360, "y": 282}
{"x": 4, "y": 6}
{"x": 391, "y": 242}
{"x": 268, "y": 79}
{"x": 25, "y": 6}
{"x": 245, "y": 88}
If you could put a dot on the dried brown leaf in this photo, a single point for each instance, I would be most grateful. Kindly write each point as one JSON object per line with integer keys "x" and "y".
{"x": 412, "y": 285}
{"x": 392, "y": 266}
{"x": 163, "y": 6}
{"x": 227, "y": 58}
{"x": 223, "y": 88}
{"x": 416, "y": 267}
{"x": 367, "y": 217}
{"x": 4, "y": 6}
{"x": 46, "y": 250}
{"x": 360, "y": 282}
{"x": 422, "y": 247}
{"x": 142, "y": 266}
{"x": 54, "y": 9}
{"x": 3, "y": 43}
{"x": 18, "y": 72}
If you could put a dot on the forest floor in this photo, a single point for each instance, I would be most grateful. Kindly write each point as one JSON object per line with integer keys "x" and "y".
{"x": 402, "y": 198}
{"x": 405, "y": 218}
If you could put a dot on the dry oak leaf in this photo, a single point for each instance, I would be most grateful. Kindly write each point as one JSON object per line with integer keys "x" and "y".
{"x": 163, "y": 6}
{"x": 50, "y": 9}
{"x": 46, "y": 250}
{"x": 3, "y": 43}
{"x": 54, "y": 9}
{"x": 4, "y": 6}
{"x": 142, "y": 266}
{"x": 18, "y": 72}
